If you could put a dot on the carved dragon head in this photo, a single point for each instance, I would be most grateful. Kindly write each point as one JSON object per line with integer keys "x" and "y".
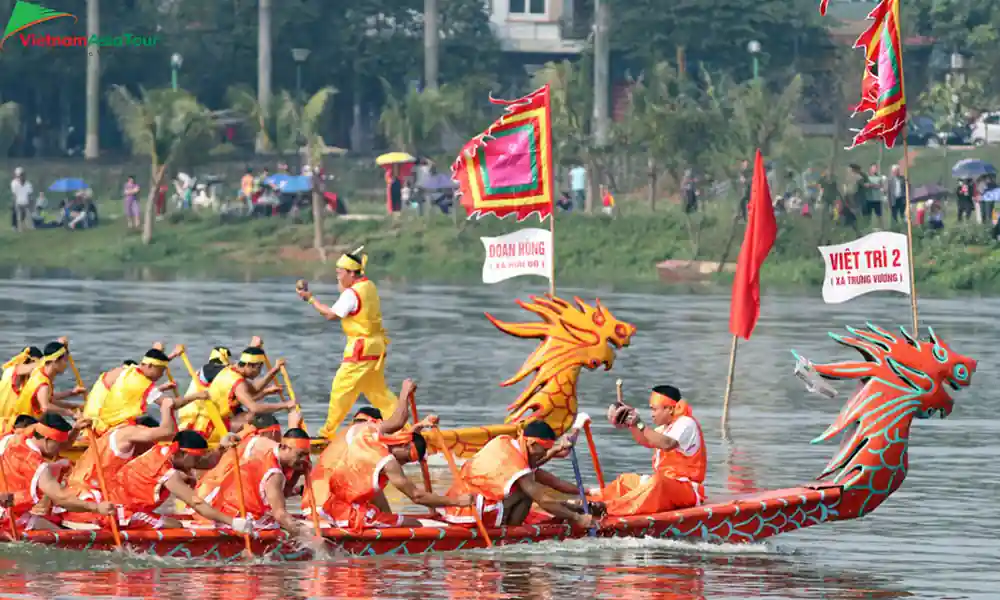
{"x": 572, "y": 337}
{"x": 904, "y": 378}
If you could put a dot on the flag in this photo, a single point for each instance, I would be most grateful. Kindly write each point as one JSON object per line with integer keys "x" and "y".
{"x": 882, "y": 79}
{"x": 757, "y": 243}
{"x": 822, "y": 6}
{"x": 507, "y": 169}
{"x": 876, "y": 262}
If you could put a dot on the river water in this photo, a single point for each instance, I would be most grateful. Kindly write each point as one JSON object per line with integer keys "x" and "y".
{"x": 935, "y": 538}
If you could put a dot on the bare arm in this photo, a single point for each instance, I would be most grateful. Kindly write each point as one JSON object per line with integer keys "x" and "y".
{"x": 22, "y": 370}
{"x": 258, "y": 386}
{"x": 649, "y": 438}
{"x": 182, "y": 402}
{"x": 246, "y": 396}
{"x": 394, "y": 472}
{"x": 185, "y": 494}
{"x": 59, "y": 495}
{"x": 274, "y": 489}
{"x": 560, "y": 485}
{"x": 52, "y": 402}
{"x": 536, "y": 491}
{"x": 402, "y": 413}
{"x": 324, "y": 310}
{"x": 146, "y": 435}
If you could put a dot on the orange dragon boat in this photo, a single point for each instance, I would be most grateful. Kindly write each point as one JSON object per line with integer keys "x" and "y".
{"x": 905, "y": 378}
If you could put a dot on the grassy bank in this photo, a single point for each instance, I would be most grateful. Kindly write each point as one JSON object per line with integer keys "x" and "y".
{"x": 590, "y": 251}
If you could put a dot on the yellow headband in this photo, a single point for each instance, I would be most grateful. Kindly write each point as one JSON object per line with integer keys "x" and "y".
{"x": 251, "y": 359}
{"x": 56, "y": 355}
{"x": 20, "y": 359}
{"x": 220, "y": 354}
{"x": 154, "y": 362}
{"x": 350, "y": 264}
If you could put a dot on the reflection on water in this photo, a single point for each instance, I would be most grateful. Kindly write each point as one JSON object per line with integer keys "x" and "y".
{"x": 935, "y": 538}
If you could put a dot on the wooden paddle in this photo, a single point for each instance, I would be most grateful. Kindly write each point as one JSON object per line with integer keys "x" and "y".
{"x": 291, "y": 393}
{"x": 424, "y": 470}
{"x": 112, "y": 521}
{"x": 312, "y": 504}
{"x": 458, "y": 479}
{"x": 239, "y": 491}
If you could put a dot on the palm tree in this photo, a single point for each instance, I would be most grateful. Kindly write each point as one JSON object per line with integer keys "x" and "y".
{"x": 164, "y": 125}
{"x": 415, "y": 121}
{"x": 284, "y": 126}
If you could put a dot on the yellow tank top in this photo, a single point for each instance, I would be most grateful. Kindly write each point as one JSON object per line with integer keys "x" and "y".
{"x": 126, "y": 399}
{"x": 9, "y": 400}
{"x": 365, "y": 336}
{"x": 95, "y": 400}
{"x": 27, "y": 402}
{"x": 221, "y": 392}
{"x": 193, "y": 415}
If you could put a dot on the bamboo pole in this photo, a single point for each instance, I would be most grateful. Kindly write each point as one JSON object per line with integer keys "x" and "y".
{"x": 552, "y": 261}
{"x": 729, "y": 384}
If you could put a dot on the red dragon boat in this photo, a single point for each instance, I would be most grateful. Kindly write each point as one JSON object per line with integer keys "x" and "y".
{"x": 904, "y": 378}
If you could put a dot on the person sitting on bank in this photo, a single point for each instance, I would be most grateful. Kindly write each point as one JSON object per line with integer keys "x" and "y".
{"x": 679, "y": 458}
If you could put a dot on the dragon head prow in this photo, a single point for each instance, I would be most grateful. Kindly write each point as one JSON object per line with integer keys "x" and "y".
{"x": 903, "y": 378}
{"x": 573, "y": 336}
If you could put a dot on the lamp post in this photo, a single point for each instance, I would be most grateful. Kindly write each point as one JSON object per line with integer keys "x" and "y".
{"x": 176, "y": 60}
{"x": 753, "y": 47}
{"x": 299, "y": 55}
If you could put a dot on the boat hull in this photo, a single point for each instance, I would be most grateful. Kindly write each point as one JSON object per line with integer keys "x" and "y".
{"x": 743, "y": 520}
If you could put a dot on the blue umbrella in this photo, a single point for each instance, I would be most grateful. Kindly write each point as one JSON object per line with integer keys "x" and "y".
{"x": 972, "y": 168}
{"x": 277, "y": 180}
{"x": 296, "y": 185}
{"x": 991, "y": 195}
{"x": 68, "y": 184}
{"x": 439, "y": 182}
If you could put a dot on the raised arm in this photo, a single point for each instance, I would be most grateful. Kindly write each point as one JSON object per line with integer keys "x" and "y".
{"x": 258, "y": 386}
{"x": 402, "y": 413}
{"x": 150, "y": 435}
{"x": 249, "y": 398}
{"x": 394, "y": 473}
{"x": 347, "y": 304}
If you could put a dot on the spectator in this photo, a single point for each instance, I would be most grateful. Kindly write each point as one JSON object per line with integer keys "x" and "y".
{"x": 855, "y": 197}
{"x": 394, "y": 190}
{"x": 746, "y": 182}
{"x": 564, "y": 202}
{"x": 965, "y": 192}
{"x": 578, "y": 186}
{"x": 608, "y": 201}
{"x": 689, "y": 187}
{"x": 131, "y": 192}
{"x": 871, "y": 207}
{"x": 897, "y": 194}
{"x": 246, "y": 189}
{"x": 935, "y": 215}
{"x": 21, "y": 189}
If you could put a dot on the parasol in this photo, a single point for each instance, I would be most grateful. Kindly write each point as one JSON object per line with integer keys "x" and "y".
{"x": 403, "y": 160}
{"x": 931, "y": 191}
{"x": 68, "y": 184}
{"x": 972, "y": 168}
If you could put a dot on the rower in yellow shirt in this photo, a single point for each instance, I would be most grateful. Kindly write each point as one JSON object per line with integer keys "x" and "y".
{"x": 362, "y": 368}
{"x": 130, "y": 389}
{"x": 38, "y": 395}
{"x": 14, "y": 375}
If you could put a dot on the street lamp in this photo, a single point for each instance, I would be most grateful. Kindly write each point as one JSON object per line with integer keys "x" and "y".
{"x": 299, "y": 55}
{"x": 176, "y": 60}
{"x": 753, "y": 47}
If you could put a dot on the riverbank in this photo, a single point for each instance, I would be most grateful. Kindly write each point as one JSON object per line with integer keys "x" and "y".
{"x": 590, "y": 251}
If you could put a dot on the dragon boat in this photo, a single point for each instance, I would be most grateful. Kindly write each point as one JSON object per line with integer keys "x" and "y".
{"x": 904, "y": 378}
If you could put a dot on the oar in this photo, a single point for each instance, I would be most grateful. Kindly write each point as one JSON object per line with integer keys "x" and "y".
{"x": 579, "y": 484}
{"x": 458, "y": 479}
{"x": 426, "y": 472}
{"x": 187, "y": 364}
{"x": 267, "y": 363}
{"x": 291, "y": 393}
{"x": 76, "y": 372}
{"x": 112, "y": 520}
{"x": 239, "y": 490}
{"x": 10, "y": 511}
{"x": 312, "y": 504}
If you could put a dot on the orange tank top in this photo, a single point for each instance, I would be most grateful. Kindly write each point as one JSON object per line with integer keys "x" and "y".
{"x": 495, "y": 469}
{"x": 83, "y": 476}
{"x": 255, "y": 473}
{"x": 358, "y": 476}
{"x": 331, "y": 457}
{"x": 253, "y": 446}
{"x": 139, "y": 484}
{"x": 676, "y": 465}
{"x": 22, "y": 464}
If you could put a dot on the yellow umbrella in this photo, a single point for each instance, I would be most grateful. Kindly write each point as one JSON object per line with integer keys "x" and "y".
{"x": 395, "y": 158}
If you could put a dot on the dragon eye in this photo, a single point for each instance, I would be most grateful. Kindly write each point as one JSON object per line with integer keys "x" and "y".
{"x": 621, "y": 331}
{"x": 961, "y": 372}
{"x": 940, "y": 354}
{"x": 598, "y": 319}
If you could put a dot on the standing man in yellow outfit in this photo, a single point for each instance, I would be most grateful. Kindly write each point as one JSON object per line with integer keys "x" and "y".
{"x": 362, "y": 368}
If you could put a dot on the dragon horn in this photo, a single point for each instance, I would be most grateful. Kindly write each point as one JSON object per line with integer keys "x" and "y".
{"x": 931, "y": 335}
{"x": 909, "y": 338}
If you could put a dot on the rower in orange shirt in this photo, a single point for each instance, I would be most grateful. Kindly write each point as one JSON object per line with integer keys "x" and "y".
{"x": 32, "y": 469}
{"x": 14, "y": 375}
{"x": 146, "y": 481}
{"x": 679, "y": 460}
{"x": 265, "y": 480}
{"x": 505, "y": 478}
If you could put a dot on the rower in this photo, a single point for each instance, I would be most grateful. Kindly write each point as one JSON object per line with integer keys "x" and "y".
{"x": 679, "y": 460}
{"x": 370, "y": 461}
{"x": 367, "y": 419}
{"x": 132, "y": 388}
{"x": 32, "y": 468}
{"x": 265, "y": 481}
{"x": 362, "y": 368}
{"x": 505, "y": 478}
{"x": 14, "y": 375}
{"x": 145, "y": 482}
{"x": 121, "y": 444}
{"x": 195, "y": 415}
{"x": 237, "y": 396}
{"x": 38, "y": 395}
{"x": 99, "y": 391}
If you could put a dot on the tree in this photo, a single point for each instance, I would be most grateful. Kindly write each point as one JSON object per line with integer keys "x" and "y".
{"x": 415, "y": 121}
{"x": 92, "y": 149}
{"x": 10, "y": 125}
{"x": 308, "y": 119}
{"x": 165, "y": 125}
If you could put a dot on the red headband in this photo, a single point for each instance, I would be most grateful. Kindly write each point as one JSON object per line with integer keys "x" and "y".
{"x": 51, "y": 433}
{"x": 297, "y": 443}
{"x": 176, "y": 447}
{"x": 543, "y": 443}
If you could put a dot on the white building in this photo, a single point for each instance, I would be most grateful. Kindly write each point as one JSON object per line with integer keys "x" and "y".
{"x": 537, "y": 26}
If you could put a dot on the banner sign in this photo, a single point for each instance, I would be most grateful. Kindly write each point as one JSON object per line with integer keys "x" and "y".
{"x": 876, "y": 262}
{"x": 524, "y": 252}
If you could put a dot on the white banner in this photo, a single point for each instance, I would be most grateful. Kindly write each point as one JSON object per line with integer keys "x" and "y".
{"x": 873, "y": 263}
{"x": 524, "y": 252}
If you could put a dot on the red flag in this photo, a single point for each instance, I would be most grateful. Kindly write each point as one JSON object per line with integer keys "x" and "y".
{"x": 757, "y": 243}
